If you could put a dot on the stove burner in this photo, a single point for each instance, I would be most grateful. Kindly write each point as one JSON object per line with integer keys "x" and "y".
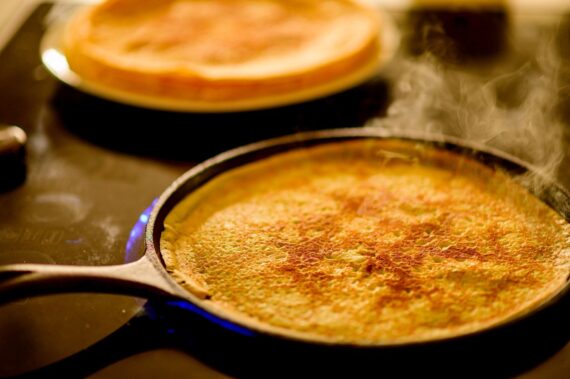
{"x": 135, "y": 244}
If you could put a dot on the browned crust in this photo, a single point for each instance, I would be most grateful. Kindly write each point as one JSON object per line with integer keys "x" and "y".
{"x": 369, "y": 242}
{"x": 96, "y": 61}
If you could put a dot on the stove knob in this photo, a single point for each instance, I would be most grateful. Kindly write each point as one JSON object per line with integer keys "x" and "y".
{"x": 12, "y": 157}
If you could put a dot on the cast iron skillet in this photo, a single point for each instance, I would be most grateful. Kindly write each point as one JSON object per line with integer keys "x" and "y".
{"x": 246, "y": 350}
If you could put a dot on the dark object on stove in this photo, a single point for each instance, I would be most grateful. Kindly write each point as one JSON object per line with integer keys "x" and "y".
{"x": 458, "y": 34}
{"x": 12, "y": 157}
{"x": 563, "y": 37}
{"x": 183, "y": 321}
{"x": 563, "y": 44}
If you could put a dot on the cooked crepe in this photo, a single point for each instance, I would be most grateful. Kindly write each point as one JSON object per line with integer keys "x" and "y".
{"x": 459, "y": 4}
{"x": 367, "y": 242}
{"x": 220, "y": 50}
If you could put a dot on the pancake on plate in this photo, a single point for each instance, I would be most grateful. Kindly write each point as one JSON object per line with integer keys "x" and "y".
{"x": 367, "y": 242}
{"x": 220, "y": 50}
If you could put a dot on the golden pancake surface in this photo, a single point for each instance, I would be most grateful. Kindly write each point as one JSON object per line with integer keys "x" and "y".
{"x": 220, "y": 50}
{"x": 367, "y": 242}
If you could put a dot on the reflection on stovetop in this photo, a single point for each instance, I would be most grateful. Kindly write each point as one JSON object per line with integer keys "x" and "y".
{"x": 94, "y": 167}
{"x": 185, "y": 136}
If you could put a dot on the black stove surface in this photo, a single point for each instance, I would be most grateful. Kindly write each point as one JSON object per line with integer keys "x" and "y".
{"x": 94, "y": 167}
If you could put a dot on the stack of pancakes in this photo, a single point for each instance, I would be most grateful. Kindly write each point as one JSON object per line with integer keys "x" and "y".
{"x": 220, "y": 50}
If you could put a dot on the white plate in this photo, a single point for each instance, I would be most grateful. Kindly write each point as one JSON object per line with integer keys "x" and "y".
{"x": 54, "y": 59}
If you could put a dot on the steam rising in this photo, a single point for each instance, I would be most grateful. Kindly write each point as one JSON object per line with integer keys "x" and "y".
{"x": 512, "y": 112}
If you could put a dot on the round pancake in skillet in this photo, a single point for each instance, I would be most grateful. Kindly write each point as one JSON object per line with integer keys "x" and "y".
{"x": 220, "y": 50}
{"x": 369, "y": 241}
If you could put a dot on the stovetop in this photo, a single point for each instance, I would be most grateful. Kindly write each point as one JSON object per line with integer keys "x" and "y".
{"x": 94, "y": 167}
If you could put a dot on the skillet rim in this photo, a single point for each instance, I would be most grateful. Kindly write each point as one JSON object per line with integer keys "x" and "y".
{"x": 212, "y": 167}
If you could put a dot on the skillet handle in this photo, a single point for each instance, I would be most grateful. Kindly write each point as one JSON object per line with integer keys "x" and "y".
{"x": 140, "y": 278}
